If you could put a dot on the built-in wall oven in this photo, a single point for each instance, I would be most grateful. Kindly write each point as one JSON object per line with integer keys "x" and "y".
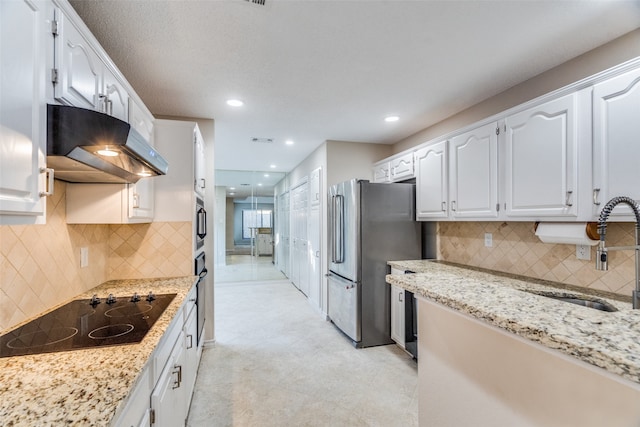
{"x": 201, "y": 272}
{"x": 200, "y": 224}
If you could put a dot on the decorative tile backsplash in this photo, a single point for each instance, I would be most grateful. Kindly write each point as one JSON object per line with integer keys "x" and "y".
{"x": 159, "y": 249}
{"x": 40, "y": 264}
{"x": 517, "y": 250}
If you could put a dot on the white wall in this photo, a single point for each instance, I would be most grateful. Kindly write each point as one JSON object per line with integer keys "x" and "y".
{"x": 348, "y": 160}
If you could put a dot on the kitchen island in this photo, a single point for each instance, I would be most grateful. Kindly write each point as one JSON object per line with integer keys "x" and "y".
{"x": 85, "y": 387}
{"x": 492, "y": 351}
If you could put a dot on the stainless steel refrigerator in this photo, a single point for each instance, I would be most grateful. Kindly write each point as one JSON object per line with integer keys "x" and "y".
{"x": 369, "y": 224}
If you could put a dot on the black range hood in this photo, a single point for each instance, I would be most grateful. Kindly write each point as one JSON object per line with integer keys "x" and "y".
{"x": 88, "y": 146}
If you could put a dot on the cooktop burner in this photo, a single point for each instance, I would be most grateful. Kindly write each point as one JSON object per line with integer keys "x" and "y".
{"x": 87, "y": 323}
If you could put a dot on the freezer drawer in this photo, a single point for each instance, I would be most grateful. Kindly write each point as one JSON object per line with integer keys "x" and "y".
{"x": 344, "y": 306}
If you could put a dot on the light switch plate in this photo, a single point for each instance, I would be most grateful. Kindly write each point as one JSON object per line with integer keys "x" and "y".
{"x": 488, "y": 240}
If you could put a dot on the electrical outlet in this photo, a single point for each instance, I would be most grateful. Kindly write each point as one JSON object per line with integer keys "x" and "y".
{"x": 84, "y": 257}
{"x": 583, "y": 252}
{"x": 488, "y": 240}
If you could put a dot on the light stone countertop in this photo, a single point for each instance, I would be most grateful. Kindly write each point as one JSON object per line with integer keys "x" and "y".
{"x": 608, "y": 340}
{"x": 84, "y": 387}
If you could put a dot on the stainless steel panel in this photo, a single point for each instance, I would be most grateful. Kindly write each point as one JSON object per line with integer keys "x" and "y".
{"x": 344, "y": 233}
{"x": 344, "y": 306}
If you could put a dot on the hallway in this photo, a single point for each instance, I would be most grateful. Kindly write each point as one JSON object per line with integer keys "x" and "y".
{"x": 276, "y": 362}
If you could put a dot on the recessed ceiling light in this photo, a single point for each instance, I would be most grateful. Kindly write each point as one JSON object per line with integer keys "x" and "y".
{"x": 272, "y": 166}
{"x": 288, "y": 142}
{"x": 391, "y": 119}
{"x": 232, "y": 188}
{"x": 259, "y": 184}
{"x": 266, "y": 175}
{"x": 232, "y": 193}
{"x": 235, "y": 102}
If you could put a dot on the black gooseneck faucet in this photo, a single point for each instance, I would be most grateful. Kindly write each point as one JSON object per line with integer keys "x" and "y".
{"x": 602, "y": 251}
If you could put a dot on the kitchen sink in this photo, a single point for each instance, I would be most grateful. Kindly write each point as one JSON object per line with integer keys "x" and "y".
{"x": 584, "y": 301}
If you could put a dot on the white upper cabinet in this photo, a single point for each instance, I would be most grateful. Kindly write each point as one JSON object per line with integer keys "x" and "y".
{"x": 473, "y": 173}
{"x": 141, "y": 120}
{"x": 79, "y": 69}
{"x": 114, "y": 97}
{"x": 397, "y": 168}
{"x": 23, "y": 144}
{"x": 401, "y": 167}
{"x": 431, "y": 181}
{"x": 381, "y": 172}
{"x": 541, "y": 160}
{"x": 82, "y": 77}
{"x": 199, "y": 162}
{"x": 616, "y": 142}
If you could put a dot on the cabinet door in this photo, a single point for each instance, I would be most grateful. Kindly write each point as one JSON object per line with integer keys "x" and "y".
{"x": 191, "y": 354}
{"x": 541, "y": 160}
{"x": 115, "y": 97}
{"x": 402, "y": 168}
{"x": 22, "y": 112}
{"x": 431, "y": 181}
{"x": 79, "y": 67}
{"x": 199, "y": 162}
{"x": 397, "y": 315}
{"x": 473, "y": 172}
{"x": 141, "y": 199}
{"x": 168, "y": 400}
{"x": 141, "y": 120}
{"x": 616, "y": 141}
{"x": 381, "y": 172}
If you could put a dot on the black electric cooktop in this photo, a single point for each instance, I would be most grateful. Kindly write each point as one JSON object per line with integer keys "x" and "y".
{"x": 87, "y": 323}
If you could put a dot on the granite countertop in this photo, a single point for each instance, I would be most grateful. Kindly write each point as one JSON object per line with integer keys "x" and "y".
{"x": 609, "y": 340}
{"x": 84, "y": 387}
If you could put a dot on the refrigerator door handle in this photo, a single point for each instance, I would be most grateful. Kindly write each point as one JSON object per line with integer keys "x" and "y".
{"x": 339, "y": 230}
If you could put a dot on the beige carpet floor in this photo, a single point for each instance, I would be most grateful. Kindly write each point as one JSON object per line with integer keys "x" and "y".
{"x": 277, "y": 362}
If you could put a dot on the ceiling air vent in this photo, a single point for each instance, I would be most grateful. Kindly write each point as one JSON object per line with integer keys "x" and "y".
{"x": 262, "y": 140}
{"x": 258, "y": 2}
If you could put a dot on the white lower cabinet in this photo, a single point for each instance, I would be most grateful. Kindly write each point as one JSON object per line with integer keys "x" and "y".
{"x": 168, "y": 400}
{"x": 397, "y": 312}
{"x": 397, "y": 315}
{"x": 137, "y": 408}
{"x": 162, "y": 394}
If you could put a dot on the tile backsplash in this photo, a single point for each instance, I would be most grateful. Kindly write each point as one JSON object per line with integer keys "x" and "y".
{"x": 517, "y": 250}
{"x": 40, "y": 264}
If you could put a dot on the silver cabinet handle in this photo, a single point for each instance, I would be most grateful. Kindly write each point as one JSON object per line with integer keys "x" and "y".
{"x": 568, "y": 199}
{"x": 596, "y": 193}
{"x": 400, "y": 296}
{"x": 190, "y": 341}
{"x": 102, "y": 100}
{"x": 177, "y": 371}
{"x": 453, "y": 205}
{"x": 136, "y": 200}
{"x": 203, "y": 182}
{"x": 444, "y": 206}
{"x": 48, "y": 191}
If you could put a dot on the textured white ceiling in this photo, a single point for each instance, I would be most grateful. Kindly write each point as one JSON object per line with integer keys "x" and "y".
{"x": 311, "y": 70}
